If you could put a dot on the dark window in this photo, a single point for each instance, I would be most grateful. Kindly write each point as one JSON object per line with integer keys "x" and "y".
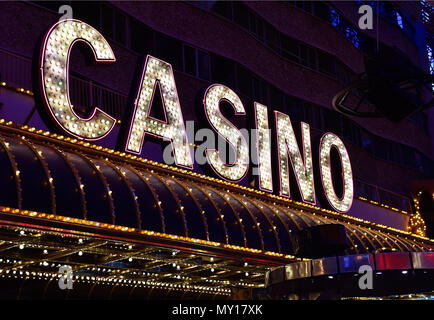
{"x": 420, "y": 119}
{"x": 307, "y": 57}
{"x": 272, "y": 38}
{"x": 223, "y": 8}
{"x": 343, "y": 73}
{"x": 326, "y": 64}
{"x": 307, "y": 112}
{"x": 276, "y": 98}
{"x": 290, "y": 49}
{"x": 395, "y": 151}
{"x": 140, "y": 38}
{"x": 222, "y": 71}
{"x": 428, "y": 166}
{"x": 408, "y": 28}
{"x": 304, "y": 5}
{"x": 381, "y": 148}
{"x": 256, "y": 27}
{"x": 368, "y": 45}
{"x": 367, "y": 143}
{"x": 365, "y": 190}
{"x": 322, "y": 10}
{"x": 393, "y": 200}
{"x": 418, "y": 161}
{"x": 169, "y": 50}
{"x": 190, "y": 60}
{"x": 52, "y": 5}
{"x": 351, "y": 131}
{"x": 107, "y": 21}
{"x": 241, "y": 14}
{"x": 203, "y": 62}
{"x": 244, "y": 81}
{"x": 121, "y": 28}
{"x": 315, "y": 121}
{"x": 87, "y": 12}
{"x": 389, "y": 11}
{"x": 332, "y": 122}
{"x": 408, "y": 157}
{"x": 294, "y": 107}
{"x": 260, "y": 90}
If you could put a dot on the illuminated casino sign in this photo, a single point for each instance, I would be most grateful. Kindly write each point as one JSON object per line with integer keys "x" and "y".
{"x": 292, "y": 164}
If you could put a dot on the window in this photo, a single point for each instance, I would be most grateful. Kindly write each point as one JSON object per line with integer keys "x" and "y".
{"x": 322, "y": 10}
{"x": 381, "y": 147}
{"x": 332, "y": 122}
{"x": 395, "y": 152}
{"x": 276, "y": 98}
{"x": 87, "y": 12}
{"x": 140, "y": 38}
{"x": 367, "y": 143}
{"x": 393, "y": 200}
{"x": 294, "y": 107}
{"x": 120, "y": 28}
{"x": 290, "y": 49}
{"x": 190, "y": 60}
{"x": 408, "y": 157}
{"x": 204, "y": 65}
{"x": 315, "y": 120}
{"x": 244, "y": 80}
{"x": 326, "y": 64}
{"x": 272, "y": 38}
{"x": 196, "y": 62}
{"x": 241, "y": 14}
{"x": 52, "y": 5}
{"x": 223, "y": 8}
{"x": 418, "y": 161}
{"x": 307, "y": 57}
{"x": 304, "y": 5}
{"x": 256, "y": 27}
{"x": 351, "y": 131}
{"x": 260, "y": 92}
{"x": 408, "y": 28}
{"x": 365, "y": 190}
{"x": 107, "y": 21}
{"x": 169, "y": 50}
{"x": 343, "y": 73}
{"x": 386, "y": 149}
{"x": 222, "y": 71}
{"x": 368, "y": 45}
{"x": 428, "y": 166}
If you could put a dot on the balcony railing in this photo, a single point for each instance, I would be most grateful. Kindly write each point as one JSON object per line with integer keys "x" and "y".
{"x": 374, "y": 193}
{"x": 16, "y": 70}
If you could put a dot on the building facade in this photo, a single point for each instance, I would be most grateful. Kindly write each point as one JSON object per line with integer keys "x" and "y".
{"x": 128, "y": 224}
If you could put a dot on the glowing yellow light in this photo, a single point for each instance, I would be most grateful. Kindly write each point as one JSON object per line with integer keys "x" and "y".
{"x": 54, "y": 78}
{"x": 288, "y": 151}
{"x": 238, "y": 169}
{"x": 343, "y": 204}
{"x": 263, "y": 145}
{"x": 158, "y": 73}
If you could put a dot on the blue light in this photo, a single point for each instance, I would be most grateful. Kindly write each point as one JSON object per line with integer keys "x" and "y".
{"x": 399, "y": 20}
{"x": 429, "y": 50}
{"x": 335, "y": 17}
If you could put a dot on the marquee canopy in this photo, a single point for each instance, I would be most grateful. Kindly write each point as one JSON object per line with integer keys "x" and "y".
{"x": 51, "y": 174}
